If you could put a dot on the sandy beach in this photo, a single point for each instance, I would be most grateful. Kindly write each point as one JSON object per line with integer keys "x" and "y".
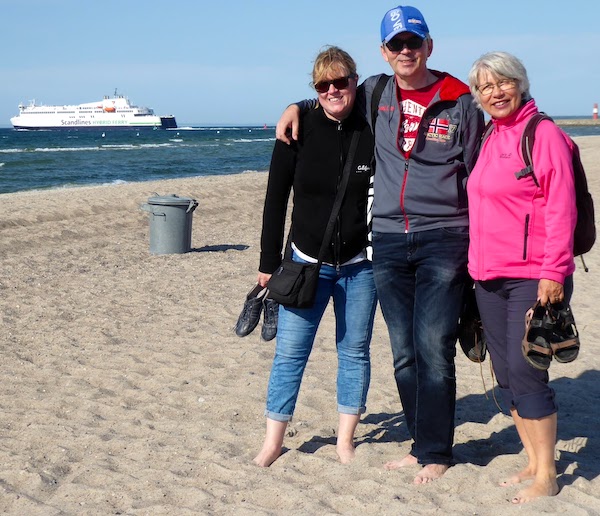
{"x": 124, "y": 389}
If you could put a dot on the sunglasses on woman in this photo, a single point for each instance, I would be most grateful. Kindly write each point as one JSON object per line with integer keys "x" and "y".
{"x": 397, "y": 44}
{"x": 338, "y": 84}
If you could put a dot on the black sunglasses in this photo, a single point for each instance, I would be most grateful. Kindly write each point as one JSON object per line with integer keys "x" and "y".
{"x": 397, "y": 44}
{"x": 338, "y": 84}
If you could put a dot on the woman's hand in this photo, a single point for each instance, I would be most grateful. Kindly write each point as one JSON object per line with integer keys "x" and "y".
{"x": 263, "y": 279}
{"x": 550, "y": 291}
{"x": 289, "y": 119}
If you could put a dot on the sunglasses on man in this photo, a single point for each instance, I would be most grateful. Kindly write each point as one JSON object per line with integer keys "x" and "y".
{"x": 397, "y": 44}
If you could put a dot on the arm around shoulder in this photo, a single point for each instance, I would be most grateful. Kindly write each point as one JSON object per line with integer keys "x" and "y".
{"x": 288, "y": 125}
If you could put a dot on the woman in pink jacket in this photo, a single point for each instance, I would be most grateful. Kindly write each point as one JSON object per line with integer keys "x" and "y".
{"x": 521, "y": 241}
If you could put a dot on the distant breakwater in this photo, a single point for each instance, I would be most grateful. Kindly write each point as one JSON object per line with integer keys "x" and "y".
{"x": 576, "y": 121}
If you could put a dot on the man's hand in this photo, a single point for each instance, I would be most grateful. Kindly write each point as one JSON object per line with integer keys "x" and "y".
{"x": 289, "y": 119}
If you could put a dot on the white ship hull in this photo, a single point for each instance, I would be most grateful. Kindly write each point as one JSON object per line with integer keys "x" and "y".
{"x": 109, "y": 113}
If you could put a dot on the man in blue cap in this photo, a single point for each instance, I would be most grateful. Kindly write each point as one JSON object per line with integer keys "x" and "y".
{"x": 427, "y": 132}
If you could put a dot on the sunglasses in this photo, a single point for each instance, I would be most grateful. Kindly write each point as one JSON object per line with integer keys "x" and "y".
{"x": 397, "y": 44}
{"x": 338, "y": 84}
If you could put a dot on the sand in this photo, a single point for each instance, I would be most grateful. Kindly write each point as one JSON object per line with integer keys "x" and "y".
{"x": 124, "y": 389}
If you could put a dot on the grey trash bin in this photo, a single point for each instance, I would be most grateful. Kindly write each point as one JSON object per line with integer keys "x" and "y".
{"x": 170, "y": 223}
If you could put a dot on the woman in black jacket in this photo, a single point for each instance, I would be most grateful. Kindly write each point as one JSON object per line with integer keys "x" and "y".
{"x": 312, "y": 166}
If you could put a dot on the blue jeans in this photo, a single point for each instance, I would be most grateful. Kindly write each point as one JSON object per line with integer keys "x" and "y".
{"x": 354, "y": 301}
{"x": 502, "y": 304}
{"x": 420, "y": 279}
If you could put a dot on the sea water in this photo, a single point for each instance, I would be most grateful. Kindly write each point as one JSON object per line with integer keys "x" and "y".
{"x": 34, "y": 160}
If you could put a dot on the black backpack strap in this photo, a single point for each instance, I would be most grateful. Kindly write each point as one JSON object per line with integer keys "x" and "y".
{"x": 376, "y": 97}
{"x": 487, "y": 130}
{"x": 527, "y": 140}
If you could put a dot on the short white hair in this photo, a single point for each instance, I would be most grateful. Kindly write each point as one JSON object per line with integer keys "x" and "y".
{"x": 500, "y": 65}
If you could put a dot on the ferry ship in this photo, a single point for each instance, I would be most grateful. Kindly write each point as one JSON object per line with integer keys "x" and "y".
{"x": 114, "y": 112}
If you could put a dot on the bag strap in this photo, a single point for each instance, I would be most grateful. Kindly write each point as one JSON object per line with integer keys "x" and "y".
{"x": 376, "y": 97}
{"x": 527, "y": 139}
{"x": 337, "y": 204}
{"x": 339, "y": 196}
{"x": 487, "y": 130}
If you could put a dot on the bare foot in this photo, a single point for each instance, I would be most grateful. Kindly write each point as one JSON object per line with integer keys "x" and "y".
{"x": 267, "y": 456}
{"x": 430, "y": 472}
{"x": 409, "y": 460}
{"x": 537, "y": 489}
{"x": 521, "y": 476}
{"x": 345, "y": 452}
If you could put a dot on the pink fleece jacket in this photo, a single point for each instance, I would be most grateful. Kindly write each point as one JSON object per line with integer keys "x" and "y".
{"x": 517, "y": 229}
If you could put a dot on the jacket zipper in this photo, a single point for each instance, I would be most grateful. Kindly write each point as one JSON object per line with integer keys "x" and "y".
{"x": 399, "y": 146}
{"x": 337, "y": 236}
{"x": 526, "y": 235}
{"x": 406, "y": 225}
{"x": 406, "y": 160}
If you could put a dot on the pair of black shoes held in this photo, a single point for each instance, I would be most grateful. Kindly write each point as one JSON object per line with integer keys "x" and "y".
{"x": 257, "y": 302}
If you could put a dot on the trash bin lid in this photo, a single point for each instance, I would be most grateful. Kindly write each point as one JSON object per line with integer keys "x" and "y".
{"x": 171, "y": 200}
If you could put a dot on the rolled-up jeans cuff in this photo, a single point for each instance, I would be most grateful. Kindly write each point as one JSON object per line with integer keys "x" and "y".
{"x": 536, "y": 405}
{"x": 354, "y": 411}
{"x": 284, "y": 418}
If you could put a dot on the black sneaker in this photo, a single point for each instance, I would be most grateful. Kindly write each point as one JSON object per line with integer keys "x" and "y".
{"x": 472, "y": 341}
{"x": 270, "y": 317}
{"x": 248, "y": 319}
{"x": 470, "y": 330}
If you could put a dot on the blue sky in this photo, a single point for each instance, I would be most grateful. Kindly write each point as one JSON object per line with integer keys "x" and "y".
{"x": 214, "y": 62}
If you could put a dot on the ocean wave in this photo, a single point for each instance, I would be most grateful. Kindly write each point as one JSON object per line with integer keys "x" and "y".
{"x": 68, "y": 186}
{"x": 251, "y": 140}
{"x": 186, "y": 129}
{"x": 155, "y": 145}
{"x": 62, "y": 149}
{"x": 115, "y": 182}
{"x": 112, "y": 146}
{"x": 130, "y": 146}
{"x": 126, "y": 146}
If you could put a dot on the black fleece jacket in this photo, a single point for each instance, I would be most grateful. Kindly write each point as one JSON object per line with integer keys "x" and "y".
{"x": 313, "y": 167}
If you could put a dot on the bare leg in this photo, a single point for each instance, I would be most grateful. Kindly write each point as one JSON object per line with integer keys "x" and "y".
{"x": 271, "y": 449}
{"x": 409, "y": 460}
{"x": 345, "y": 440}
{"x": 542, "y": 436}
{"x": 529, "y": 471}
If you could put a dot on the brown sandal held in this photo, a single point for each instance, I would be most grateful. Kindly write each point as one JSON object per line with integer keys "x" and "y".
{"x": 565, "y": 338}
{"x": 536, "y": 342}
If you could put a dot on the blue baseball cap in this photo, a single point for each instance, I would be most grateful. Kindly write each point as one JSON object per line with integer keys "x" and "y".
{"x": 403, "y": 19}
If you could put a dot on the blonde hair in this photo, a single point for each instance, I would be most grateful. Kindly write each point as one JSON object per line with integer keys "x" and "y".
{"x": 332, "y": 59}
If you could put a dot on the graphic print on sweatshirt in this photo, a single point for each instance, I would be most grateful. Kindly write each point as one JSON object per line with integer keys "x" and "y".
{"x": 412, "y": 112}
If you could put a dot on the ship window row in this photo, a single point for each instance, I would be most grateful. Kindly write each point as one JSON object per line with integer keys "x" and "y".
{"x": 73, "y": 112}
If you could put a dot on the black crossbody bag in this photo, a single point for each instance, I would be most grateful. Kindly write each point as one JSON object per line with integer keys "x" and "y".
{"x": 294, "y": 284}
